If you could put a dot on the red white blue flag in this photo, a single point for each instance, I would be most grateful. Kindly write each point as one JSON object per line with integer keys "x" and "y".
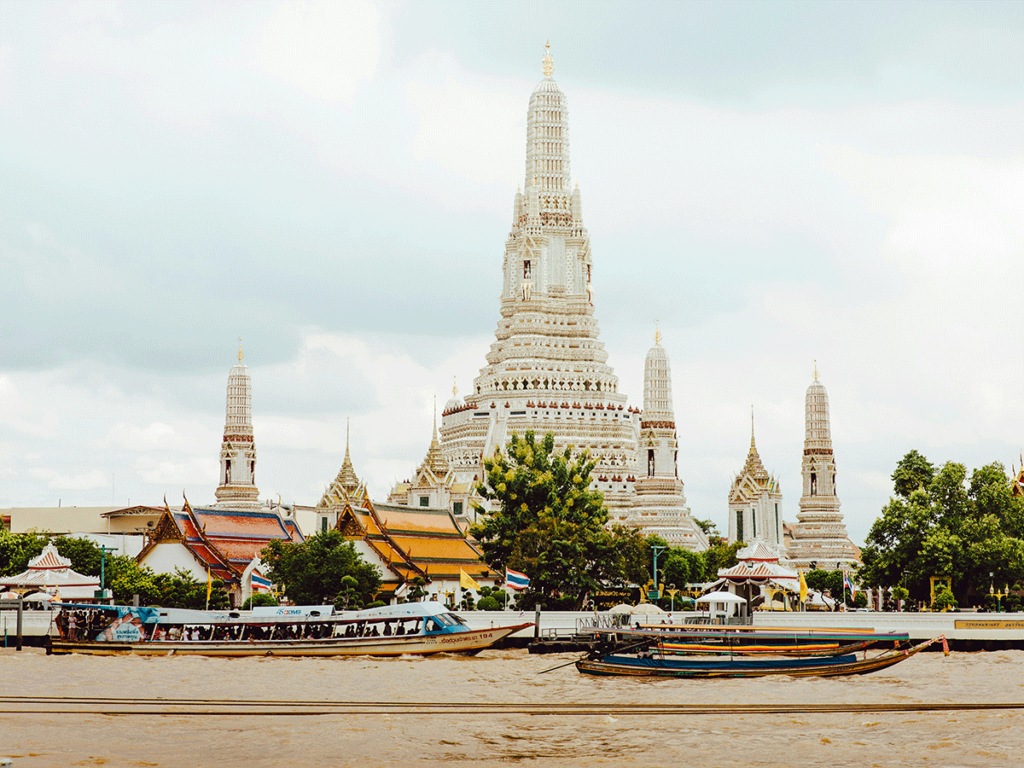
{"x": 260, "y": 583}
{"x": 515, "y": 579}
{"x": 848, "y": 584}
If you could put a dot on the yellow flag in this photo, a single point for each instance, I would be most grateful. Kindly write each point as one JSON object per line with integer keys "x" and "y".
{"x": 466, "y": 581}
{"x": 209, "y": 585}
{"x": 803, "y": 589}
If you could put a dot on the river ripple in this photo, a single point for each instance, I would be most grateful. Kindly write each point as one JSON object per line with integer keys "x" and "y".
{"x": 970, "y": 738}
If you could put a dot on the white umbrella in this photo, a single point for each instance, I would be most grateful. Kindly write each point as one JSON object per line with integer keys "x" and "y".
{"x": 721, "y": 597}
{"x": 647, "y": 608}
{"x": 39, "y": 596}
{"x": 621, "y": 608}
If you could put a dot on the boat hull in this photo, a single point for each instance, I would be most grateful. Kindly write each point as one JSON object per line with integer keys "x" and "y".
{"x": 837, "y": 666}
{"x": 469, "y": 642}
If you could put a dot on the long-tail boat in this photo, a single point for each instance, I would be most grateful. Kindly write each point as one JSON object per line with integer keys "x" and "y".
{"x": 754, "y": 641}
{"x": 649, "y": 663}
{"x": 393, "y": 630}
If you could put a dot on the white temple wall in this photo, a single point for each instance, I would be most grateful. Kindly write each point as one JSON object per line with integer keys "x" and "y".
{"x": 167, "y": 556}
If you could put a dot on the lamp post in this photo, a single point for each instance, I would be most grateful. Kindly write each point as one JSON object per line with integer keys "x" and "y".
{"x": 656, "y": 550}
{"x": 103, "y": 567}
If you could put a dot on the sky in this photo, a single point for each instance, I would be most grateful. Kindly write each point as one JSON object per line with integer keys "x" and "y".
{"x": 774, "y": 183}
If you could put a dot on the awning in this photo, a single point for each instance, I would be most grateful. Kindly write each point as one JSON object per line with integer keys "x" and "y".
{"x": 721, "y": 597}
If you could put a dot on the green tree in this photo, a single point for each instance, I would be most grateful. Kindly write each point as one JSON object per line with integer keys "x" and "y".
{"x": 941, "y": 524}
{"x": 720, "y": 555}
{"x": 943, "y": 599}
{"x": 312, "y": 572}
{"x": 85, "y": 556}
{"x": 16, "y": 549}
{"x": 126, "y": 578}
{"x": 710, "y": 529}
{"x": 257, "y": 600}
{"x": 548, "y": 523}
{"x": 416, "y": 592}
{"x": 683, "y": 567}
{"x": 913, "y": 472}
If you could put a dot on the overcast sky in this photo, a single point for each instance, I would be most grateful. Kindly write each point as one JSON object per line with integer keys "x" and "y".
{"x": 777, "y": 183}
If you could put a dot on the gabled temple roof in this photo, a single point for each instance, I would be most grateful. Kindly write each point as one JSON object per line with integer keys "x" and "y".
{"x": 224, "y": 541}
{"x": 758, "y": 550}
{"x": 414, "y": 541}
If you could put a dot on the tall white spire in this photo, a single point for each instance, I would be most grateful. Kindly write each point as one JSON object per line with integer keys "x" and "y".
{"x": 237, "y": 487}
{"x": 547, "y": 141}
{"x": 659, "y": 506}
{"x": 819, "y": 535}
{"x": 547, "y": 370}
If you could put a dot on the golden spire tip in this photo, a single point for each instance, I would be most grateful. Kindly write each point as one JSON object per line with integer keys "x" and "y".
{"x": 815, "y": 370}
{"x": 657, "y": 333}
{"x": 241, "y": 354}
{"x": 548, "y": 62}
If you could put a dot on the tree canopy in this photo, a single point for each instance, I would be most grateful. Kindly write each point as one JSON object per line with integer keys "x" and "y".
{"x": 940, "y": 523}
{"x": 548, "y": 522}
{"x": 325, "y": 569}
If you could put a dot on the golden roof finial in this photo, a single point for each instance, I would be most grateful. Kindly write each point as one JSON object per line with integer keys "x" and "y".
{"x": 751, "y": 425}
{"x": 455, "y": 387}
{"x": 815, "y": 370}
{"x": 657, "y": 332}
{"x": 549, "y": 63}
{"x": 241, "y": 354}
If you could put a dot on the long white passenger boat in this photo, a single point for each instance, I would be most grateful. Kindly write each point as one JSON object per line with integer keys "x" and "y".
{"x": 393, "y": 630}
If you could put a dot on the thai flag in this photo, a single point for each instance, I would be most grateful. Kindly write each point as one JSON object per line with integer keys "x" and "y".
{"x": 258, "y": 582}
{"x": 848, "y": 584}
{"x": 515, "y": 579}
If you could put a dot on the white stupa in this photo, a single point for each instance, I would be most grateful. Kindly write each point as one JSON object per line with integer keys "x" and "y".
{"x": 659, "y": 506}
{"x": 237, "y": 489}
{"x": 547, "y": 370}
{"x": 820, "y": 535}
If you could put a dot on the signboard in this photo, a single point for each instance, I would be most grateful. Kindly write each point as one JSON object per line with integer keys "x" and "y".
{"x": 988, "y": 624}
{"x": 653, "y": 594}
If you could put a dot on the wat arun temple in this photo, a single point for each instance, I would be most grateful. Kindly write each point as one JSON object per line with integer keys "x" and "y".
{"x": 548, "y": 371}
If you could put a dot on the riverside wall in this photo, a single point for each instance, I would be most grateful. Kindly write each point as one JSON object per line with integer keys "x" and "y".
{"x": 963, "y": 631}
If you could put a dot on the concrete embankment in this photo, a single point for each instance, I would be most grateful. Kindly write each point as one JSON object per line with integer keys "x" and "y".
{"x": 558, "y": 631}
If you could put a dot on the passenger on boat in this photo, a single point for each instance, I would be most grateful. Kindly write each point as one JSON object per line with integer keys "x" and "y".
{"x": 387, "y": 628}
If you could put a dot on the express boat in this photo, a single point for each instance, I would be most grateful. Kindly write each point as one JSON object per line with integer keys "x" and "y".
{"x": 393, "y": 630}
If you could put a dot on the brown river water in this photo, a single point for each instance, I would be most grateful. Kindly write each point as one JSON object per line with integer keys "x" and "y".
{"x": 505, "y": 679}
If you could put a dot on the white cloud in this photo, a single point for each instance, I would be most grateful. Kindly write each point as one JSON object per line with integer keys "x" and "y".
{"x": 85, "y": 481}
{"x": 326, "y": 50}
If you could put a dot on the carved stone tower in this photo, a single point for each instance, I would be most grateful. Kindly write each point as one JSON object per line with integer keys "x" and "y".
{"x": 659, "y": 506}
{"x": 820, "y": 535}
{"x": 237, "y": 489}
{"x": 547, "y": 370}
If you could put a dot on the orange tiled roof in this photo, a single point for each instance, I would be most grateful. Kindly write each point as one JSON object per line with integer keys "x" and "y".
{"x": 413, "y": 520}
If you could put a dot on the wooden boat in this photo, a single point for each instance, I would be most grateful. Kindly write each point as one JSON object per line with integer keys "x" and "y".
{"x": 394, "y": 630}
{"x": 646, "y": 664}
{"x": 754, "y": 641}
